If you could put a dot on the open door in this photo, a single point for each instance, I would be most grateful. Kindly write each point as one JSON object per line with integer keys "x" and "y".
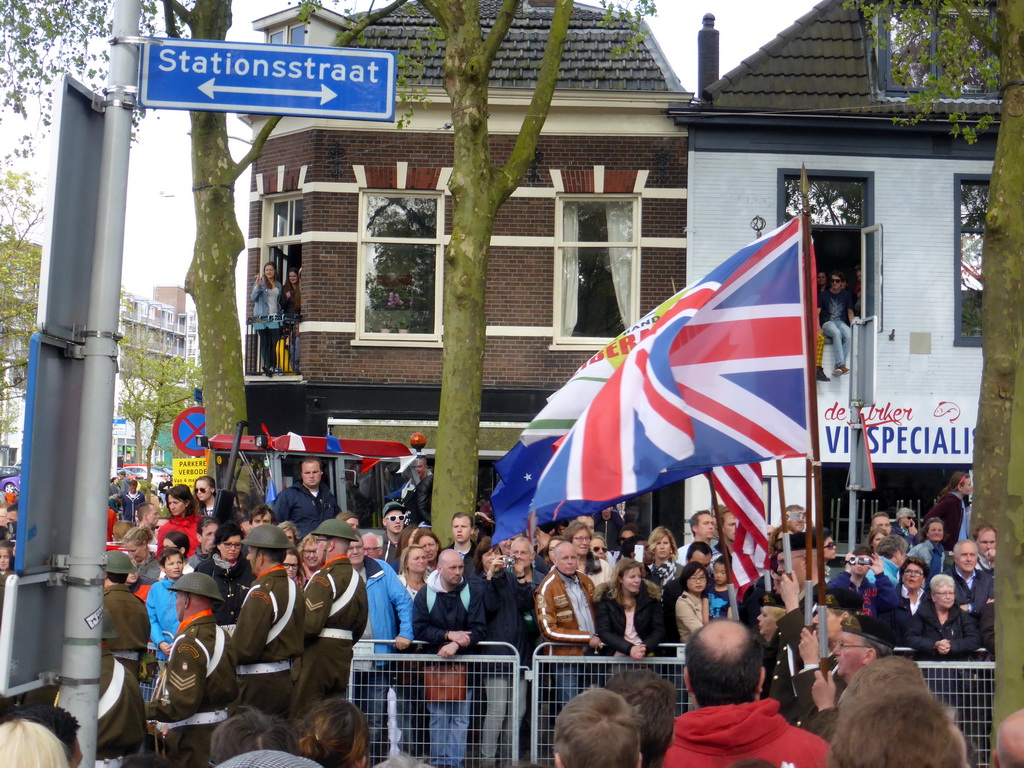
{"x": 871, "y": 274}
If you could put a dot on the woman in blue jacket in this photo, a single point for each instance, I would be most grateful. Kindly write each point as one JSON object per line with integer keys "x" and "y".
{"x": 163, "y": 620}
{"x": 266, "y": 298}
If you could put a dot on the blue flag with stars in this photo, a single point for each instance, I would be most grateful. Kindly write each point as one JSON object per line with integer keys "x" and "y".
{"x": 519, "y": 470}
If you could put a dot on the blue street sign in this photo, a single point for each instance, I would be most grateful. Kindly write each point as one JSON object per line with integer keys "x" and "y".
{"x": 252, "y": 78}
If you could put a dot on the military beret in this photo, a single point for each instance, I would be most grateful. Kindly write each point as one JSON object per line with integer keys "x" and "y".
{"x": 844, "y": 600}
{"x": 798, "y": 541}
{"x": 772, "y": 600}
{"x": 869, "y": 627}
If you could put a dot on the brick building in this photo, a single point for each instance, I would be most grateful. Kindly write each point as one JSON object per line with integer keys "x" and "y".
{"x": 593, "y": 238}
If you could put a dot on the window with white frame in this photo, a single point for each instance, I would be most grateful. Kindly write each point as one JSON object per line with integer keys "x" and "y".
{"x": 972, "y": 205}
{"x": 596, "y": 266}
{"x": 400, "y": 264}
{"x": 284, "y": 246}
{"x": 294, "y": 34}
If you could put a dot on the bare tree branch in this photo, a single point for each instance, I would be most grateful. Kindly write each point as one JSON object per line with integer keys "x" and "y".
{"x": 502, "y": 24}
{"x": 371, "y": 17}
{"x": 529, "y": 132}
{"x": 173, "y": 12}
{"x": 256, "y": 150}
{"x": 975, "y": 27}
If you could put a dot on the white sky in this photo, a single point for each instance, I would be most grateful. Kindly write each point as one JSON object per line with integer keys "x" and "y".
{"x": 161, "y": 231}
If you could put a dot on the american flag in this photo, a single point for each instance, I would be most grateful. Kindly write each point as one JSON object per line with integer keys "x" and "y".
{"x": 720, "y": 380}
{"x": 741, "y": 489}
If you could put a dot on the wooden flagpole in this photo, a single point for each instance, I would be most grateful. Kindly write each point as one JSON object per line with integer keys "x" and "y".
{"x": 814, "y": 453}
{"x": 726, "y": 550}
{"x": 787, "y": 555}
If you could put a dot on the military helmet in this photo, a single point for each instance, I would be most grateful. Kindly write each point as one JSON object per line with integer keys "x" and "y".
{"x": 267, "y": 537}
{"x": 336, "y": 529}
{"x": 119, "y": 562}
{"x": 196, "y": 583}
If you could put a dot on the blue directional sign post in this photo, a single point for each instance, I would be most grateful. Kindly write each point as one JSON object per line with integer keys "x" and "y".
{"x": 253, "y": 78}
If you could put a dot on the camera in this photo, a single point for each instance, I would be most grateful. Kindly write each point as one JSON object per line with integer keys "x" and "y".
{"x": 508, "y": 561}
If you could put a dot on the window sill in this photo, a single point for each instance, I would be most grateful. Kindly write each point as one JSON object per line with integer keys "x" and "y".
{"x": 398, "y": 340}
{"x": 578, "y": 345}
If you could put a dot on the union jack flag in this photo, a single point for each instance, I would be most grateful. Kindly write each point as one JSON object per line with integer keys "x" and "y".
{"x": 721, "y": 379}
{"x": 741, "y": 489}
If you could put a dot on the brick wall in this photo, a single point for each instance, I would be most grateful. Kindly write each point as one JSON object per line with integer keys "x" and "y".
{"x": 520, "y": 277}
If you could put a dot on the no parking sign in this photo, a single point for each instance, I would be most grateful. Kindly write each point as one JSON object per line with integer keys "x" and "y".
{"x": 188, "y": 427}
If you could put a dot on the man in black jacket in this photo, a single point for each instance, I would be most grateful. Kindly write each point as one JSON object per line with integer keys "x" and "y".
{"x": 451, "y": 620}
{"x": 974, "y": 587}
{"x": 309, "y": 503}
{"x": 419, "y": 500}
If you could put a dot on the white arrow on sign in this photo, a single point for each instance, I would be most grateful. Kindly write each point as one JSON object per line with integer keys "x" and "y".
{"x": 209, "y": 88}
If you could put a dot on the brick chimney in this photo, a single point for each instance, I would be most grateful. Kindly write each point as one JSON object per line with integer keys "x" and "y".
{"x": 707, "y": 54}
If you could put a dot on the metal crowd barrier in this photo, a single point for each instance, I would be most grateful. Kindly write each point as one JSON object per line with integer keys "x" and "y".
{"x": 467, "y": 707}
{"x": 969, "y": 687}
{"x": 391, "y": 690}
{"x": 557, "y": 679}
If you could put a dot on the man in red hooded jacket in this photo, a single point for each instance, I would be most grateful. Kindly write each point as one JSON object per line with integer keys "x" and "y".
{"x": 724, "y": 674}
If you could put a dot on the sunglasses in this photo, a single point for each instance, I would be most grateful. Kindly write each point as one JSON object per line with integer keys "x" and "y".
{"x": 834, "y": 280}
{"x": 394, "y": 518}
{"x": 859, "y": 561}
{"x": 598, "y": 549}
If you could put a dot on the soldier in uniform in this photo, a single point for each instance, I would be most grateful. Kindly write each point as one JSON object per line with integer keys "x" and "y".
{"x": 200, "y": 675}
{"x": 128, "y": 612}
{"x": 270, "y": 633}
{"x": 798, "y": 655}
{"x": 122, "y": 713}
{"x": 336, "y": 613}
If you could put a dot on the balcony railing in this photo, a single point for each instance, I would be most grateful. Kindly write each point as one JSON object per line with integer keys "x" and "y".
{"x": 272, "y": 346}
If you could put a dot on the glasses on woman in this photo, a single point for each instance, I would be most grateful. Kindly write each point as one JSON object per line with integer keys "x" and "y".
{"x": 830, "y": 545}
{"x": 202, "y": 490}
{"x": 291, "y": 566}
{"x": 914, "y": 572}
{"x": 598, "y": 550}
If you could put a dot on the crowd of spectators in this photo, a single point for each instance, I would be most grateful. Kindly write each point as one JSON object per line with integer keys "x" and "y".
{"x": 590, "y": 586}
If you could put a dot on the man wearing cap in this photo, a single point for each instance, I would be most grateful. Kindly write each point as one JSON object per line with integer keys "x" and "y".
{"x": 127, "y": 611}
{"x": 122, "y": 713}
{"x": 269, "y": 635}
{"x": 793, "y": 678}
{"x": 336, "y": 613}
{"x": 200, "y": 678}
{"x": 863, "y": 639}
{"x": 395, "y": 517}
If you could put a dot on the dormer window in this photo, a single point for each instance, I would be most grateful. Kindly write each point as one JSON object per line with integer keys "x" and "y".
{"x": 293, "y": 34}
{"x": 915, "y": 54}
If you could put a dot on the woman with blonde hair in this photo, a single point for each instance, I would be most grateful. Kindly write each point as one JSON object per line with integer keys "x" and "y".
{"x": 627, "y": 612}
{"x": 662, "y": 546}
{"x": 30, "y": 745}
{"x": 412, "y": 569}
{"x": 290, "y": 530}
{"x": 309, "y": 558}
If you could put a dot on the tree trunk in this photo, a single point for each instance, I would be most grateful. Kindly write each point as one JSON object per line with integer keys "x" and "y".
{"x": 478, "y": 190}
{"x": 999, "y": 447}
{"x": 465, "y": 282}
{"x": 211, "y": 276}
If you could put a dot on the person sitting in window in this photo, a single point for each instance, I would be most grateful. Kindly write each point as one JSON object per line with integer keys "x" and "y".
{"x": 835, "y": 316}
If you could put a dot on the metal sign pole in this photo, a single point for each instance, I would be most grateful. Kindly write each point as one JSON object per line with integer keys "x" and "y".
{"x": 80, "y": 667}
